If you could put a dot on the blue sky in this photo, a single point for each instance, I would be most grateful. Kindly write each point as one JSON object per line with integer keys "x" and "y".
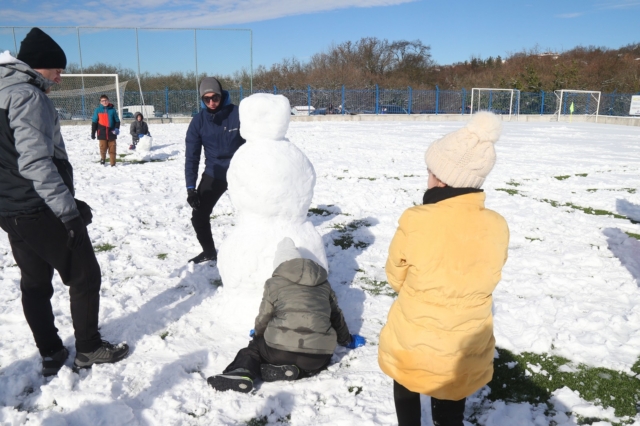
{"x": 300, "y": 28}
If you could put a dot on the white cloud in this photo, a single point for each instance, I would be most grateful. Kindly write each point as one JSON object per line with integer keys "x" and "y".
{"x": 187, "y": 13}
{"x": 620, "y": 4}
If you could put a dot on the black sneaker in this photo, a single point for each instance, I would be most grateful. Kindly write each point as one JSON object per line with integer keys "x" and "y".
{"x": 236, "y": 380}
{"x": 271, "y": 373}
{"x": 102, "y": 162}
{"x": 205, "y": 256}
{"x": 53, "y": 363}
{"x": 105, "y": 354}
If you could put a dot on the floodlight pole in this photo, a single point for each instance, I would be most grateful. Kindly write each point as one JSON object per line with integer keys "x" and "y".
{"x": 84, "y": 110}
{"x": 15, "y": 45}
{"x": 195, "y": 47}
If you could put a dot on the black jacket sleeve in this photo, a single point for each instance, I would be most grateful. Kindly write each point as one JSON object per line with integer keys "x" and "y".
{"x": 338, "y": 322}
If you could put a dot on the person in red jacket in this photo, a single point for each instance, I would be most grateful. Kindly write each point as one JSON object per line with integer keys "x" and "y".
{"x": 106, "y": 124}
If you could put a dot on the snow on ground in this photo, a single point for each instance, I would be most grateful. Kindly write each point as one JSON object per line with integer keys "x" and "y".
{"x": 569, "y": 288}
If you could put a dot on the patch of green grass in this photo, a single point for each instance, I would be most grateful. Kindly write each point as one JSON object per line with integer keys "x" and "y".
{"x": 587, "y": 210}
{"x": 356, "y": 389}
{"x": 629, "y": 190}
{"x": 513, "y": 183}
{"x": 216, "y": 282}
{"x": 632, "y": 235}
{"x": 368, "y": 178}
{"x": 582, "y": 174}
{"x": 408, "y": 175}
{"x": 563, "y": 177}
{"x": 532, "y": 239}
{"x": 162, "y": 256}
{"x": 532, "y": 378}
{"x": 377, "y": 288}
{"x": 318, "y": 211}
{"x": 509, "y": 191}
{"x": 264, "y": 420}
{"x": 122, "y": 155}
{"x": 258, "y": 421}
{"x": 104, "y": 247}
{"x": 345, "y": 239}
{"x": 340, "y": 178}
{"x": 164, "y": 335}
{"x": 220, "y": 215}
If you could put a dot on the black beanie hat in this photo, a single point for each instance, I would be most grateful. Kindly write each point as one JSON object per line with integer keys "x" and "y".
{"x": 38, "y": 50}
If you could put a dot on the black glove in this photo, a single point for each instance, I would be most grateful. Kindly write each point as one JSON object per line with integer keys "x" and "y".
{"x": 193, "y": 198}
{"x": 85, "y": 211}
{"x": 76, "y": 232}
{"x": 93, "y": 135}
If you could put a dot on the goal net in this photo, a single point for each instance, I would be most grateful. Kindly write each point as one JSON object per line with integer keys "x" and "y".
{"x": 78, "y": 95}
{"x": 577, "y": 102}
{"x": 498, "y": 101}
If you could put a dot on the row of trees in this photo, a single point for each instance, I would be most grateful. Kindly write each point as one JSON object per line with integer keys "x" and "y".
{"x": 398, "y": 64}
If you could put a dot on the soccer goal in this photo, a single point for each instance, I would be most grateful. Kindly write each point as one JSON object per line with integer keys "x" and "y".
{"x": 498, "y": 101}
{"x": 578, "y": 102}
{"x": 78, "y": 95}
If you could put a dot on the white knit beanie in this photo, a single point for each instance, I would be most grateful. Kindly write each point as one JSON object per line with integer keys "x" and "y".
{"x": 286, "y": 251}
{"x": 464, "y": 158}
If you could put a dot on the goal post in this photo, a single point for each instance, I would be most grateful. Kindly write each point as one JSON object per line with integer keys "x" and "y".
{"x": 498, "y": 101}
{"x": 578, "y": 102}
{"x": 78, "y": 95}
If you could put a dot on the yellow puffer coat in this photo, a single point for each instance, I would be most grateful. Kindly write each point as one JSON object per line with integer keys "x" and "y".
{"x": 445, "y": 260}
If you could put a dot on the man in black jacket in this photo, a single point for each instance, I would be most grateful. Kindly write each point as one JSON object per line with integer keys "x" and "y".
{"x": 47, "y": 227}
{"x": 215, "y": 128}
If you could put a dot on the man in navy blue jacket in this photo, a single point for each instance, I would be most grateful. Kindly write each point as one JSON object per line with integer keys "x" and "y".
{"x": 217, "y": 129}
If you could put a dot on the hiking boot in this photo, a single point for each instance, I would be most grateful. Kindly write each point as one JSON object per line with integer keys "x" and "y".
{"x": 205, "y": 256}
{"x": 105, "y": 354}
{"x": 51, "y": 364}
{"x": 102, "y": 162}
{"x": 236, "y": 380}
{"x": 271, "y": 373}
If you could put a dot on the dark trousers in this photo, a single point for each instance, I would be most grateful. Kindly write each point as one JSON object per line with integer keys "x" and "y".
{"x": 443, "y": 412}
{"x": 39, "y": 245}
{"x": 258, "y": 352}
{"x": 210, "y": 191}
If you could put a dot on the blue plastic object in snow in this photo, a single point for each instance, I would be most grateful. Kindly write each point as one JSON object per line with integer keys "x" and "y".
{"x": 356, "y": 341}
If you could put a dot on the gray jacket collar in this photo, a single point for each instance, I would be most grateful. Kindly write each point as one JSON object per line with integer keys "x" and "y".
{"x": 14, "y": 71}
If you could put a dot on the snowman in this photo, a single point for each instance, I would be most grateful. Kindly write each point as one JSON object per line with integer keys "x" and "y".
{"x": 270, "y": 183}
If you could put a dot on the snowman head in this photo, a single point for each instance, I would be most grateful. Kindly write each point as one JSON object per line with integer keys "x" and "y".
{"x": 264, "y": 116}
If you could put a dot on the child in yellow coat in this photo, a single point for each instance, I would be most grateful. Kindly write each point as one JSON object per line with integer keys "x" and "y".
{"x": 444, "y": 261}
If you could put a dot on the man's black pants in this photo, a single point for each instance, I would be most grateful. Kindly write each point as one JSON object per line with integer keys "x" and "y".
{"x": 210, "y": 191}
{"x": 39, "y": 245}
{"x": 258, "y": 352}
{"x": 443, "y": 412}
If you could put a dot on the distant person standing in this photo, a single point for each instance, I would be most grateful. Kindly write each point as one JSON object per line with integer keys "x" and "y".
{"x": 46, "y": 225}
{"x": 137, "y": 129}
{"x": 106, "y": 124}
{"x": 215, "y": 128}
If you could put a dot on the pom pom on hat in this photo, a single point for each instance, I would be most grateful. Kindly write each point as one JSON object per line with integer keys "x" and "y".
{"x": 464, "y": 158}
{"x": 286, "y": 251}
{"x": 40, "y": 51}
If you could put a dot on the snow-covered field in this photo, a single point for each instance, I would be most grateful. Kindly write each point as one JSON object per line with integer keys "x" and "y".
{"x": 569, "y": 288}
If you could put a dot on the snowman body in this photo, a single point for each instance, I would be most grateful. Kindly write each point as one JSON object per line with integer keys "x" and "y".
{"x": 270, "y": 183}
